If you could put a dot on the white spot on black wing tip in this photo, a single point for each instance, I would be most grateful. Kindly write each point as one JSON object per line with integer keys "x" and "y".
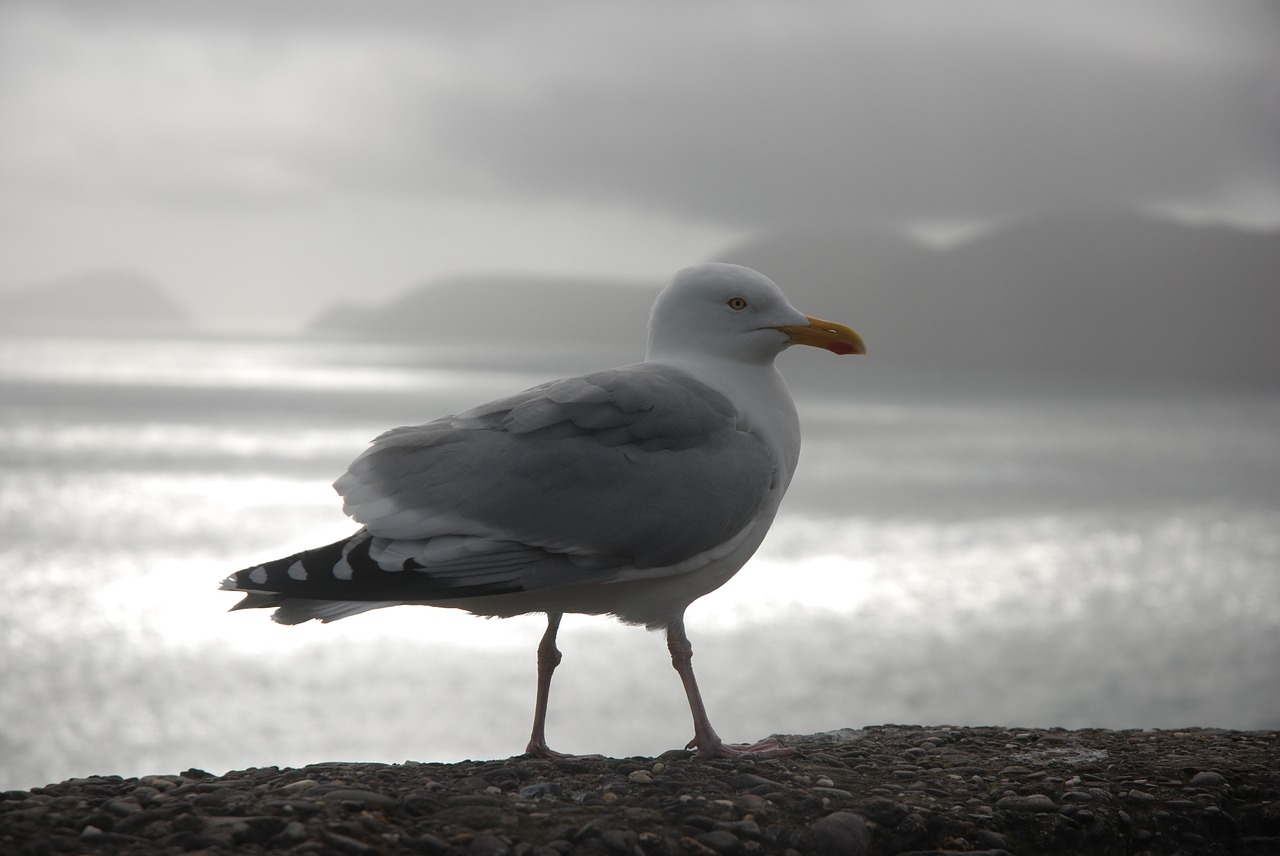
{"x": 258, "y": 575}
{"x": 297, "y": 571}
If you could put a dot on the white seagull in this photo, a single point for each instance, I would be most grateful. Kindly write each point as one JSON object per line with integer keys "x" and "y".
{"x": 629, "y": 492}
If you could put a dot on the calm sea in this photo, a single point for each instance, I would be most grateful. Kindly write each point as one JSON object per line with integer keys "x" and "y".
{"x": 955, "y": 550}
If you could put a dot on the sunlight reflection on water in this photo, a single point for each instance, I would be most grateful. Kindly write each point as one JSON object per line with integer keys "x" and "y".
{"x": 307, "y": 365}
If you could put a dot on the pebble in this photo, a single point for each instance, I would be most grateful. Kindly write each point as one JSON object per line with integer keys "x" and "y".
{"x": 299, "y": 786}
{"x": 345, "y": 843}
{"x": 294, "y": 832}
{"x": 541, "y": 789}
{"x": 841, "y": 833}
{"x": 488, "y": 845}
{"x": 1032, "y": 803}
{"x": 837, "y": 793}
{"x": 721, "y": 841}
{"x": 898, "y": 788}
{"x": 359, "y": 797}
{"x": 1015, "y": 772}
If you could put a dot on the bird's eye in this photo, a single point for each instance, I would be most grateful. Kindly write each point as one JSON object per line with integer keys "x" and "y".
{"x": 737, "y": 304}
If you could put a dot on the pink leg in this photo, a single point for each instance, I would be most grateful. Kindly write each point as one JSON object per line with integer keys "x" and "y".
{"x": 705, "y": 739}
{"x": 548, "y": 659}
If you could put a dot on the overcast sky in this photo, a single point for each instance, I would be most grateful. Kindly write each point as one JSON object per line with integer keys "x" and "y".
{"x": 264, "y": 158}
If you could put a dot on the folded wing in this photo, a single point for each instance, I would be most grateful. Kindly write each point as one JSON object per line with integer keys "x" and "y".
{"x": 641, "y": 467}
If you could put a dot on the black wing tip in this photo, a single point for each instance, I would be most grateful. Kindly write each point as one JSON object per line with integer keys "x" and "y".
{"x": 258, "y": 600}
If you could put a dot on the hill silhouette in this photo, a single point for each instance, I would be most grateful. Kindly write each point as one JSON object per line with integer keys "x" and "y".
{"x": 505, "y": 308}
{"x": 1095, "y": 293}
{"x": 1104, "y": 293}
{"x": 102, "y": 301}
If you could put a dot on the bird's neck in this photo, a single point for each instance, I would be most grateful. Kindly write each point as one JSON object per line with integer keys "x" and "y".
{"x": 761, "y": 395}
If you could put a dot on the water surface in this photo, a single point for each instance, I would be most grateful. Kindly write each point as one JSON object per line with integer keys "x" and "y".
{"x": 954, "y": 550}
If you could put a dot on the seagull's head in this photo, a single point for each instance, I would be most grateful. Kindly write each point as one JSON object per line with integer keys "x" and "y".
{"x": 733, "y": 312}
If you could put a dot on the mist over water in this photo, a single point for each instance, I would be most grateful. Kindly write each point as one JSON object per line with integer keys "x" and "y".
{"x": 954, "y": 549}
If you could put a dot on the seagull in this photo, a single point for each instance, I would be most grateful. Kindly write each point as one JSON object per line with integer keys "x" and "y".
{"x": 628, "y": 492}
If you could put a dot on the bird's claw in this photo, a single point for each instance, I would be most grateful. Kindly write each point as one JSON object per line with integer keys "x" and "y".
{"x": 542, "y": 750}
{"x": 764, "y": 749}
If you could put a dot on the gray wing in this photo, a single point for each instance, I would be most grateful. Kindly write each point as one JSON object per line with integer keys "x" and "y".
{"x": 642, "y": 465}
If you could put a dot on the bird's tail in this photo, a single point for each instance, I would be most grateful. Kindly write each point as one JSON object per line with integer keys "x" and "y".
{"x": 305, "y": 585}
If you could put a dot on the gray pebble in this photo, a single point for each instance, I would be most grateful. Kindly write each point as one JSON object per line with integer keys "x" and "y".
{"x": 841, "y": 833}
{"x": 751, "y": 780}
{"x": 139, "y": 819}
{"x": 721, "y": 841}
{"x": 1032, "y": 803}
{"x": 228, "y": 828}
{"x": 742, "y": 828}
{"x": 488, "y": 844}
{"x": 835, "y": 793}
{"x": 1016, "y": 772}
{"x": 358, "y": 796}
{"x": 992, "y": 840}
{"x": 541, "y": 789}
{"x": 122, "y": 807}
{"x": 98, "y": 836}
{"x": 619, "y": 840}
{"x": 346, "y": 844}
{"x": 432, "y": 844}
{"x": 304, "y": 808}
{"x": 294, "y": 832}
{"x": 1208, "y": 779}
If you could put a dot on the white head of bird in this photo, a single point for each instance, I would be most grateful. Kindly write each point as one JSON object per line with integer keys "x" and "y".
{"x": 730, "y": 312}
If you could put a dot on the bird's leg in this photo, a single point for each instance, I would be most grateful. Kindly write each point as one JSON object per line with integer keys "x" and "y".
{"x": 548, "y": 659}
{"x": 705, "y": 739}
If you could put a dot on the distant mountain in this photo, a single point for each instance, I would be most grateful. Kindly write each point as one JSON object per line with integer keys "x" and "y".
{"x": 504, "y": 308}
{"x": 1108, "y": 293}
{"x": 1104, "y": 293}
{"x": 104, "y": 301}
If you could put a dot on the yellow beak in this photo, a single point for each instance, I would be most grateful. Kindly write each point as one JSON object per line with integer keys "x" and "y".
{"x": 836, "y": 338}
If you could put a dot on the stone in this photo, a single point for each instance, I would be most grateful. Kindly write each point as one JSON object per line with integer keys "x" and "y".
{"x": 1031, "y": 803}
{"x": 346, "y": 844}
{"x": 541, "y": 789}
{"x": 840, "y": 833}
{"x": 619, "y": 840}
{"x": 363, "y": 798}
{"x": 721, "y": 841}
{"x": 488, "y": 844}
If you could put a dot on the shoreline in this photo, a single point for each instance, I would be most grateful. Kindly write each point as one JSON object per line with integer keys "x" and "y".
{"x": 879, "y": 790}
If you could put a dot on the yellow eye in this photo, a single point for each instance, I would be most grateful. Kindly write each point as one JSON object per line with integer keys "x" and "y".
{"x": 737, "y": 304}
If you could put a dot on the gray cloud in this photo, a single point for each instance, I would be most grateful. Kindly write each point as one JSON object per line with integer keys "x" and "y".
{"x": 744, "y": 114}
{"x": 822, "y": 121}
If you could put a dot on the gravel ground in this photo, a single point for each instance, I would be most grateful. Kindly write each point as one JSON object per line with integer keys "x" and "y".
{"x": 883, "y": 790}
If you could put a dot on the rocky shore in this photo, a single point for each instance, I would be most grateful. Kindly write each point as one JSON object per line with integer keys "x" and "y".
{"x": 882, "y": 790}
